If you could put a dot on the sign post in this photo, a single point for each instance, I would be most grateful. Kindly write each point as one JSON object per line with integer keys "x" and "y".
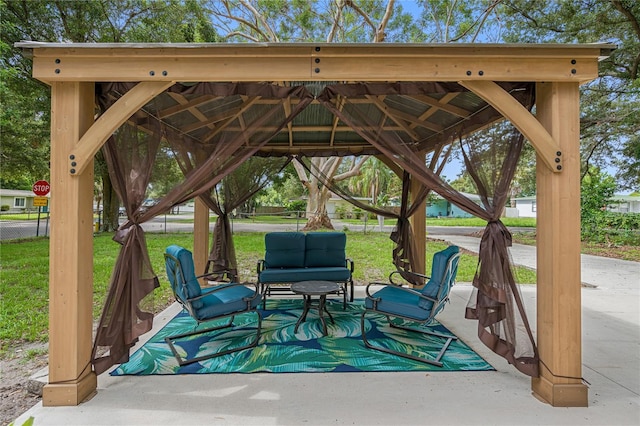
{"x": 41, "y": 188}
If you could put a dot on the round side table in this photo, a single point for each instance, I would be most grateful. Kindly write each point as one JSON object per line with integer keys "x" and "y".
{"x": 315, "y": 288}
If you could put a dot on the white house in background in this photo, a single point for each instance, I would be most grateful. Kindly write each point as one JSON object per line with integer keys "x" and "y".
{"x": 619, "y": 203}
{"x": 526, "y": 206}
{"x": 624, "y": 204}
{"x": 18, "y": 200}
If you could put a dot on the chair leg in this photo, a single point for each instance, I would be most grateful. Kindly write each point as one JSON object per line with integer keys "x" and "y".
{"x": 264, "y": 288}
{"x": 181, "y": 361}
{"x": 435, "y": 361}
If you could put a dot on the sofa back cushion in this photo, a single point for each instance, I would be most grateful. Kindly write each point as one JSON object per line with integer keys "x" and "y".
{"x": 325, "y": 249}
{"x": 284, "y": 250}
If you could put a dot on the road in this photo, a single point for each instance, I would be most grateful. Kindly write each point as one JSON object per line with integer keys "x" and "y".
{"x": 10, "y": 229}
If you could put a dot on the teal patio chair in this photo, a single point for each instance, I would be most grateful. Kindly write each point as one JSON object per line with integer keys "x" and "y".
{"x": 416, "y": 307}
{"x": 221, "y": 302}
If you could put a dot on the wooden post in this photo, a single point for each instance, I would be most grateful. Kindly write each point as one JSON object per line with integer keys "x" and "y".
{"x": 559, "y": 325}
{"x": 419, "y": 225}
{"x": 200, "y": 236}
{"x": 71, "y": 378}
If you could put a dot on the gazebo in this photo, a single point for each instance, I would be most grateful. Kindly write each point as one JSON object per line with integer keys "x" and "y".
{"x": 426, "y": 96}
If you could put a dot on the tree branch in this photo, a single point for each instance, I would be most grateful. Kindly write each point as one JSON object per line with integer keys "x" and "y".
{"x": 241, "y": 21}
{"x": 628, "y": 14}
{"x": 301, "y": 171}
{"x": 240, "y": 34}
{"x": 479, "y": 22}
{"x": 336, "y": 18}
{"x": 353, "y": 171}
{"x": 380, "y": 35}
{"x": 361, "y": 12}
{"x": 259, "y": 17}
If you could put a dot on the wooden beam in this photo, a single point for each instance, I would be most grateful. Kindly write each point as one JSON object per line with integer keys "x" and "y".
{"x": 211, "y": 120}
{"x": 546, "y": 146}
{"x": 558, "y": 253}
{"x": 245, "y": 106}
{"x": 415, "y": 121}
{"x": 182, "y": 101}
{"x": 83, "y": 152}
{"x": 287, "y": 112}
{"x": 71, "y": 378}
{"x": 318, "y": 62}
{"x": 340, "y": 101}
{"x": 442, "y": 105}
{"x": 379, "y": 103}
{"x": 183, "y": 105}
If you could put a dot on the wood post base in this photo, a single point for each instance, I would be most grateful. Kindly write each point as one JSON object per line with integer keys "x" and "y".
{"x": 560, "y": 394}
{"x": 67, "y": 394}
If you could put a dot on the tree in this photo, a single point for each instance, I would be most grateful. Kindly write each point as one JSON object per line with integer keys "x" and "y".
{"x": 464, "y": 183}
{"x": 24, "y": 120}
{"x": 26, "y": 102}
{"x": 609, "y": 123}
{"x": 348, "y": 21}
{"x": 596, "y": 190}
{"x": 280, "y": 21}
{"x": 319, "y": 194}
{"x": 450, "y": 21}
{"x": 373, "y": 180}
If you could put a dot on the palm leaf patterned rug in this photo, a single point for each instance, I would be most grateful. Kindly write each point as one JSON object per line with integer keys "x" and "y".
{"x": 282, "y": 351}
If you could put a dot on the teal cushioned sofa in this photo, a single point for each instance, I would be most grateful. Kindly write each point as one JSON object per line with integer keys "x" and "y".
{"x": 295, "y": 256}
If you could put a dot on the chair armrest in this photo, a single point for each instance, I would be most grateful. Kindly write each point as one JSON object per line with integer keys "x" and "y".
{"x": 260, "y": 266}
{"x": 399, "y": 287}
{"x": 224, "y": 273}
{"x": 212, "y": 290}
{"x": 350, "y": 264}
{"x": 421, "y": 276}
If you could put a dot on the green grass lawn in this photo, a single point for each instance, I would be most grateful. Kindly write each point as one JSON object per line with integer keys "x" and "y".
{"x": 24, "y": 274}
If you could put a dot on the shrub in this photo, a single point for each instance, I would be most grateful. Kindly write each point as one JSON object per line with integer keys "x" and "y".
{"x": 5, "y": 208}
{"x": 298, "y": 206}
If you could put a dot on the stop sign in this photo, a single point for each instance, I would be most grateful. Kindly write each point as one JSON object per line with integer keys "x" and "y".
{"x": 41, "y": 188}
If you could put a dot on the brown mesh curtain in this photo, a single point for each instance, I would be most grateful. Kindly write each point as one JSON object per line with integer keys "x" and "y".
{"x": 130, "y": 154}
{"x": 495, "y": 295}
{"x": 365, "y": 117}
{"x": 404, "y": 252}
{"x": 232, "y": 192}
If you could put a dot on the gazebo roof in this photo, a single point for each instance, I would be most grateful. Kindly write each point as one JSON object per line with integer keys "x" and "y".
{"x": 423, "y": 106}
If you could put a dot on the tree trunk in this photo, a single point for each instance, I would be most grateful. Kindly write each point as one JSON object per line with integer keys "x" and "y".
{"x": 319, "y": 218}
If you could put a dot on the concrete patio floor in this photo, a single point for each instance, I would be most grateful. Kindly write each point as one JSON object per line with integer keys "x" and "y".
{"x": 611, "y": 366}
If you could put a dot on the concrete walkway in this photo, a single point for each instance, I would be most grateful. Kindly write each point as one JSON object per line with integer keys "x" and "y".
{"x": 601, "y": 272}
{"x": 611, "y": 366}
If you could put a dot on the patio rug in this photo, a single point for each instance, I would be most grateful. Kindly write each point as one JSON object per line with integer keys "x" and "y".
{"x": 282, "y": 351}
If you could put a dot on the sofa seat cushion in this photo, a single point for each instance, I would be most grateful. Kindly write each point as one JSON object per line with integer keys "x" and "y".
{"x": 398, "y": 302}
{"x": 284, "y": 249}
{"x": 226, "y": 301}
{"x": 325, "y": 249}
{"x": 290, "y": 275}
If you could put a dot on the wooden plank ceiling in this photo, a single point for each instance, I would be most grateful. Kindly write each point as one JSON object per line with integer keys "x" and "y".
{"x": 425, "y": 121}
